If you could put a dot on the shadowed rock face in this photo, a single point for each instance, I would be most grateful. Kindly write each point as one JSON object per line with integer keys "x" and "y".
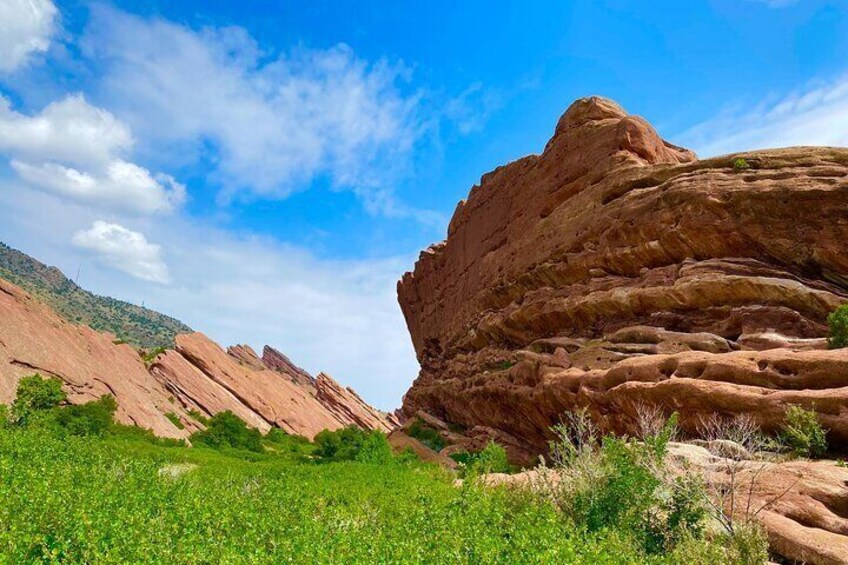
{"x": 616, "y": 269}
{"x": 196, "y": 376}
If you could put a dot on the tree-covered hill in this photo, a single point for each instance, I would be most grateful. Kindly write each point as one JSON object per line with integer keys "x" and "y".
{"x": 138, "y": 326}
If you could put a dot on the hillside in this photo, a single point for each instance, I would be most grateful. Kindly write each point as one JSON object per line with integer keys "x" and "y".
{"x": 140, "y": 327}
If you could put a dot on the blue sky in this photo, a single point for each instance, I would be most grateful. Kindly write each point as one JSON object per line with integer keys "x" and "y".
{"x": 266, "y": 171}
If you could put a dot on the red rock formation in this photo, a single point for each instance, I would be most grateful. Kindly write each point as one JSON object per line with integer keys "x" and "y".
{"x": 349, "y": 408}
{"x": 90, "y": 364}
{"x": 560, "y": 270}
{"x": 198, "y": 375}
{"x": 277, "y": 361}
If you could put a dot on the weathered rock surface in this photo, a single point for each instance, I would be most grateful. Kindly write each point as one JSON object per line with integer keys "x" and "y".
{"x": 90, "y": 364}
{"x": 616, "y": 269}
{"x": 801, "y": 504}
{"x": 277, "y": 361}
{"x": 197, "y": 375}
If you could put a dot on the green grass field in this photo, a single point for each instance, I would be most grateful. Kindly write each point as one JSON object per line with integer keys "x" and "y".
{"x": 111, "y": 500}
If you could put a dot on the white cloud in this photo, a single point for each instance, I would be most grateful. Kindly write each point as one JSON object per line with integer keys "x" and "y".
{"x": 91, "y": 141}
{"x": 121, "y": 186}
{"x": 340, "y": 316}
{"x": 69, "y": 130}
{"x": 275, "y": 122}
{"x": 124, "y": 249}
{"x": 25, "y": 28}
{"x": 817, "y": 115}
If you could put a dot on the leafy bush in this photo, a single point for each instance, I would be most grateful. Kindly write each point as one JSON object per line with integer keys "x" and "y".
{"x": 352, "y": 444}
{"x": 427, "y": 436}
{"x": 837, "y": 323}
{"x": 802, "y": 434}
{"x": 225, "y": 429}
{"x": 91, "y": 418}
{"x": 36, "y": 394}
{"x": 198, "y": 417}
{"x": 622, "y": 484}
{"x": 174, "y": 419}
{"x": 375, "y": 449}
{"x": 741, "y": 164}
{"x": 492, "y": 459}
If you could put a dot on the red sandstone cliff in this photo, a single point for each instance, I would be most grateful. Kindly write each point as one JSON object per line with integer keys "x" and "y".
{"x": 616, "y": 269}
{"x": 197, "y": 376}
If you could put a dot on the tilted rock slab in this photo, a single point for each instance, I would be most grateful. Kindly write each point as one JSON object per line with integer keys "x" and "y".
{"x": 197, "y": 376}
{"x": 616, "y": 269}
{"x": 33, "y": 339}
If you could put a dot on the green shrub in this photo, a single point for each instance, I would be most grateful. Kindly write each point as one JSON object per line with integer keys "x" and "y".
{"x": 427, "y": 436}
{"x": 802, "y": 434}
{"x": 375, "y": 449}
{"x": 837, "y": 324}
{"x": 225, "y": 429}
{"x": 5, "y": 416}
{"x": 198, "y": 417}
{"x": 89, "y": 419}
{"x": 352, "y": 444}
{"x": 174, "y": 419}
{"x": 492, "y": 459}
{"x": 622, "y": 484}
{"x": 36, "y": 394}
{"x": 741, "y": 164}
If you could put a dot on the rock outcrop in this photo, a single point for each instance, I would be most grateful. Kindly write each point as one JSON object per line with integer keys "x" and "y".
{"x": 197, "y": 377}
{"x": 616, "y": 269}
{"x": 801, "y": 504}
{"x": 33, "y": 339}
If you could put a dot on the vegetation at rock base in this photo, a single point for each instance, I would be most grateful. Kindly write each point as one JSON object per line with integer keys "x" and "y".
{"x": 426, "y": 435}
{"x": 837, "y": 324}
{"x": 120, "y": 496}
{"x": 802, "y": 434}
{"x": 140, "y": 327}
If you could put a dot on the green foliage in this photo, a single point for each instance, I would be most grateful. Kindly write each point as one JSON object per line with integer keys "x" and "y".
{"x": 621, "y": 484}
{"x": 802, "y": 434}
{"x": 36, "y": 394}
{"x": 352, "y": 444}
{"x": 198, "y": 417}
{"x": 837, "y": 323}
{"x": 427, "y": 436}
{"x": 149, "y": 356}
{"x": 226, "y": 430}
{"x": 100, "y": 500}
{"x": 492, "y": 459}
{"x": 741, "y": 164}
{"x": 89, "y": 419}
{"x": 174, "y": 419}
{"x": 375, "y": 449}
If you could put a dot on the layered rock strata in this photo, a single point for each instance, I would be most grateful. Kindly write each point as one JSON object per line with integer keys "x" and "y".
{"x": 615, "y": 269}
{"x": 197, "y": 377}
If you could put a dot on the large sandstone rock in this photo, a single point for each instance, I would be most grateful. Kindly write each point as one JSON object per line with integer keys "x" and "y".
{"x": 615, "y": 269}
{"x": 33, "y": 339}
{"x": 197, "y": 376}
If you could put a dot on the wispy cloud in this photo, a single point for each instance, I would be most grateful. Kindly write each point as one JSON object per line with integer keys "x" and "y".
{"x": 276, "y": 122}
{"x": 25, "y": 29}
{"x": 817, "y": 115}
{"x": 124, "y": 249}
